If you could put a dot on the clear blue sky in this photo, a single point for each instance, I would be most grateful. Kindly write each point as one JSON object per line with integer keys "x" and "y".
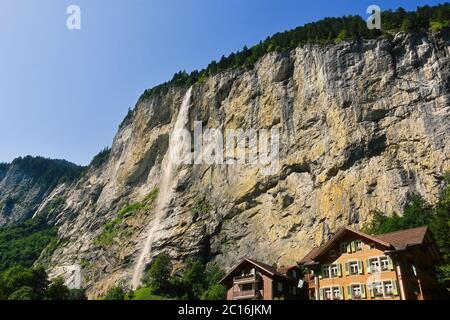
{"x": 63, "y": 93}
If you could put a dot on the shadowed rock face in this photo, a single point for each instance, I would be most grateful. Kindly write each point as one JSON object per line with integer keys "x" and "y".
{"x": 27, "y": 182}
{"x": 363, "y": 126}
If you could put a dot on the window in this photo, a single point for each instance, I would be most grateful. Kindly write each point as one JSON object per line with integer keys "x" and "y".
{"x": 334, "y": 271}
{"x": 343, "y": 246}
{"x": 378, "y": 289}
{"x": 328, "y": 294}
{"x": 372, "y": 245}
{"x": 280, "y": 286}
{"x": 353, "y": 267}
{"x": 332, "y": 253}
{"x": 336, "y": 293}
{"x": 356, "y": 291}
{"x": 331, "y": 271}
{"x": 383, "y": 289}
{"x": 248, "y": 287}
{"x": 384, "y": 262}
{"x": 331, "y": 293}
{"x": 326, "y": 271}
{"x": 379, "y": 264}
{"x": 374, "y": 265}
{"x": 358, "y": 245}
{"x": 294, "y": 274}
{"x": 388, "y": 288}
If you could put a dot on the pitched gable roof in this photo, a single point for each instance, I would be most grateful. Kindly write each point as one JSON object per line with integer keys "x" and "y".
{"x": 285, "y": 269}
{"x": 308, "y": 259}
{"x": 403, "y": 238}
{"x": 271, "y": 270}
{"x": 318, "y": 251}
{"x": 393, "y": 240}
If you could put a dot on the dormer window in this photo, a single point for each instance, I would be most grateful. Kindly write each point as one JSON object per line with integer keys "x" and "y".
{"x": 332, "y": 253}
{"x": 358, "y": 245}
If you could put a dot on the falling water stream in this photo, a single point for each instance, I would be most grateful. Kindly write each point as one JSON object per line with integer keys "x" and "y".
{"x": 169, "y": 165}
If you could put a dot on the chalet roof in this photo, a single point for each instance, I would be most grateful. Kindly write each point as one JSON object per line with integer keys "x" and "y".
{"x": 394, "y": 240}
{"x": 271, "y": 270}
{"x": 308, "y": 259}
{"x": 284, "y": 269}
{"x": 403, "y": 238}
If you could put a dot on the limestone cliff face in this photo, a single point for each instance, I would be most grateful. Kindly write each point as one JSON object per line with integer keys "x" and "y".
{"x": 363, "y": 126}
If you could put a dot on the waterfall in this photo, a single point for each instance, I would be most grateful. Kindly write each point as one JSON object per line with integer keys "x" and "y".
{"x": 169, "y": 165}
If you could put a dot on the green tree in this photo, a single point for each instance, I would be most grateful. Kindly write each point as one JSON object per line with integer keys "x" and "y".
{"x": 158, "y": 275}
{"x": 24, "y": 293}
{"x": 77, "y": 294}
{"x": 406, "y": 24}
{"x": 342, "y": 36}
{"x": 381, "y": 223}
{"x": 193, "y": 279}
{"x": 24, "y": 243}
{"x": 440, "y": 227}
{"x": 321, "y": 32}
{"x": 214, "y": 274}
{"x": 57, "y": 290}
{"x": 215, "y": 292}
{"x": 419, "y": 213}
{"x": 116, "y": 293}
{"x": 17, "y": 277}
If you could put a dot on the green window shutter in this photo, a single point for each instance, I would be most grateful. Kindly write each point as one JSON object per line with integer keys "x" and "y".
{"x": 349, "y": 292}
{"x": 321, "y": 271}
{"x": 391, "y": 263}
{"x": 347, "y": 269}
{"x": 353, "y": 246}
{"x": 321, "y": 294}
{"x": 368, "y": 267}
{"x": 363, "y": 291}
{"x": 394, "y": 287}
{"x": 343, "y": 247}
{"x": 360, "y": 267}
{"x": 339, "y": 269}
{"x": 349, "y": 247}
{"x": 342, "y": 293}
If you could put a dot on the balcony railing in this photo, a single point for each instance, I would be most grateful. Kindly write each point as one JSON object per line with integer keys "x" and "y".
{"x": 244, "y": 294}
{"x": 332, "y": 298}
{"x": 381, "y": 295}
{"x": 245, "y": 279}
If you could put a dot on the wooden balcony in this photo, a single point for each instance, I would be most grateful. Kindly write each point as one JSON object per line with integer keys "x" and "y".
{"x": 250, "y": 278}
{"x": 246, "y": 294}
